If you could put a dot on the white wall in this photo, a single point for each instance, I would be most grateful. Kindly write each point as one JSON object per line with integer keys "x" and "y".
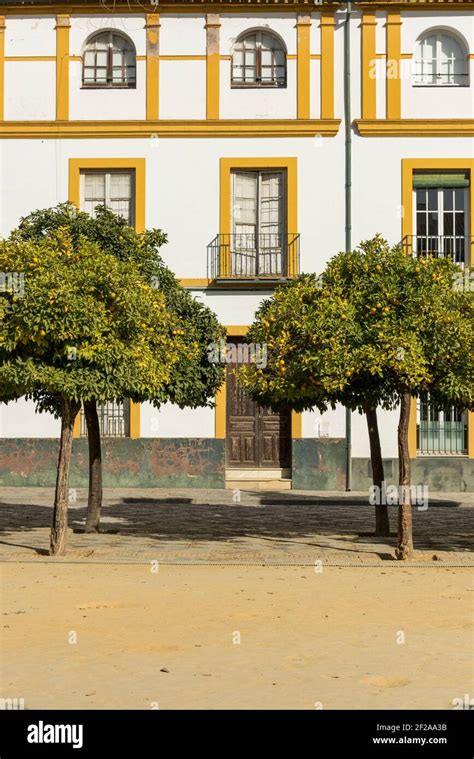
{"x": 30, "y": 90}
{"x": 182, "y": 89}
{"x": 30, "y": 35}
{"x": 182, "y": 34}
{"x": 171, "y": 421}
{"x": 18, "y": 419}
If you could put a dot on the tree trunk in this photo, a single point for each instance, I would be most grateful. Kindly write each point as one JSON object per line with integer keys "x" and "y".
{"x": 405, "y": 535}
{"x": 382, "y": 525}
{"x": 94, "y": 503}
{"x": 70, "y": 410}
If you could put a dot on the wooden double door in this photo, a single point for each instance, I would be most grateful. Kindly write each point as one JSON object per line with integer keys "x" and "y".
{"x": 256, "y": 437}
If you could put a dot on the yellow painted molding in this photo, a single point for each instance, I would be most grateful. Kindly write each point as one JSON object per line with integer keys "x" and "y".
{"x": 327, "y": 64}
{"x": 132, "y": 7}
{"x": 34, "y": 58}
{"x": 412, "y": 447}
{"x": 227, "y": 165}
{"x": 409, "y": 165}
{"x": 2, "y": 67}
{"x": 237, "y": 330}
{"x": 63, "y": 26}
{"x": 220, "y": 413}
{"x": 394, "y": 91}
{"x": 296, "y": 424}
{"x": 138, "y": 165}
{"x": 212, "y": 65}
{"x": 134, "y": 420}
{"x": 170, "y": 128}
{"x": 196, "y": 282}
{"x": 369, "y": 81}
{"x": 76, "y": 430}
{"x": 415, "y": 127}
{"x": 152, "y": 65}
{"x": 470, "y": 434}
{"x": 189, "y": 57}
{"x": 303, "y": 31}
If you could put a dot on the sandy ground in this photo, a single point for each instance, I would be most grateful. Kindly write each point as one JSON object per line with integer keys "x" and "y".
{"x": 172, "y": 638}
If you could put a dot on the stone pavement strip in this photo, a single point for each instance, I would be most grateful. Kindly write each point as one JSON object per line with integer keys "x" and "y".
{"x": 208, "y": 526}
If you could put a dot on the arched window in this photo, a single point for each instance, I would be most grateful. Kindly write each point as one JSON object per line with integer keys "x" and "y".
{"x": 441, "y": 60}
{"x": 109, "y": 61}
{"x": 259, "y": 60}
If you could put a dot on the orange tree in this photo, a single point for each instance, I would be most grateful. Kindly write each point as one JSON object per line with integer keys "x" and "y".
{"x": 192, "y": 379}
{"x": 377, "y": 328}
{"x": 85, "y": 327}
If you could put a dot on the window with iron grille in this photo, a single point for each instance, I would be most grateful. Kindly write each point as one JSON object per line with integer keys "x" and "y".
{"x": 114, "y": 189}
{"x": 258, "y": 60}
{"x": 114, "y": 419}
{"x": 441, "y": 432}
{"x": 441, "y": 60}
{"x": 109, "y": 60}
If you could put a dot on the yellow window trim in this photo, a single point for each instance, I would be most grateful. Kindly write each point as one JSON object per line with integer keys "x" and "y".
{"x": 240, "y": 330}
{"x": 152, "y": 65}
{"x": 415, "y": 127}
{"x": 63, "y": 26}
{"x": 408, "y": 167}
{"x": 76, "y": 165}
{"x": 303, "y": 29}
{"x": 369, "y": 81}
{"x": 227, "y": 165}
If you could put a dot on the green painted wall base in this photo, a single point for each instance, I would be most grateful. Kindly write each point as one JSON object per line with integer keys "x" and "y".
{"x": 440, "y": 474}
{"x": 319, "y": 464}
{"x": 153, "y": 462}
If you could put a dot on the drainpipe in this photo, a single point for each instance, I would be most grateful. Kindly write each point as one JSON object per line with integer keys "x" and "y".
{"x": 348, "y": 197}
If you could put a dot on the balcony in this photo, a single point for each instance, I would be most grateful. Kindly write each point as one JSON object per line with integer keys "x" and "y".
{"x": 456, "y": 247}
{"x": 248, "y": 257}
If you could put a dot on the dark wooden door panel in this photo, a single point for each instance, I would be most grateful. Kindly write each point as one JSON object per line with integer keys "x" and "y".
{"x": 256, "y": 437}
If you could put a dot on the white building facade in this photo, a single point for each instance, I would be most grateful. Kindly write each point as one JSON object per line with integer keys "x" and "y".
{"x": 223, "y": 125}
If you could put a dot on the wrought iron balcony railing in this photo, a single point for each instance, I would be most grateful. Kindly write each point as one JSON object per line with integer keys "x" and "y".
{"x": 244, "y": 255}
{"x": 456, "y": 247}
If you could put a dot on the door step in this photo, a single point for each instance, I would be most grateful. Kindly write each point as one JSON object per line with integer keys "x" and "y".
{"x": 258, "y": 479}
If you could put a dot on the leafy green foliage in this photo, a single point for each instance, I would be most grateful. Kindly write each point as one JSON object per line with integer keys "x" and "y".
{"x": 193, "y": 380}
{"x": 375, "y": 324}
{"x": 87, "y": 326}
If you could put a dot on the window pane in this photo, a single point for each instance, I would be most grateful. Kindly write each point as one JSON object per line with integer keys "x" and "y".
{"x": 120, "y": 185}
{"x": 94, "y": 186}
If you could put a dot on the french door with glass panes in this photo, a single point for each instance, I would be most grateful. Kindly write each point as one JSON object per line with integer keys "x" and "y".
{"x": 442, "y": 221}
{"x": 114, "y": 189}
{"x": 258, "y": 244}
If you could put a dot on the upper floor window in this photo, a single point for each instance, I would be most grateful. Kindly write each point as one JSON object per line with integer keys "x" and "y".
{"x": 259, "y": 60}
{"x": 109, "y": 61}
{"x": 441, "y": 60}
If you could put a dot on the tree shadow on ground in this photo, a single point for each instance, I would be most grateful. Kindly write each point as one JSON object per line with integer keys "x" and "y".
{"x": 300, "y": 520}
